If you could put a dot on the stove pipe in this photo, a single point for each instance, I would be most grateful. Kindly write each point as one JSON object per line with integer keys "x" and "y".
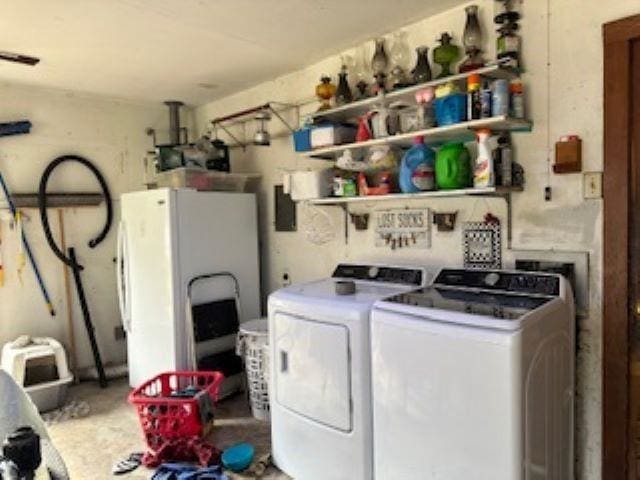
{"x": 174, "y": 121}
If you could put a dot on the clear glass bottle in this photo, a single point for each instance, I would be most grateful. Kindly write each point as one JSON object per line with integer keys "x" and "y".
{"x": 472, "y": 41}
{"x": 472, "y": 36}
{"x": 361, "y": 72}
{"x": 380, "y": 60}
{"x": 399, "y": 60}
{"x": 380, "y": 64}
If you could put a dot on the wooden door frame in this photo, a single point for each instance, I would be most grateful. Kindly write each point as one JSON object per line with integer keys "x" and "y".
{"x": 616, "y": 451}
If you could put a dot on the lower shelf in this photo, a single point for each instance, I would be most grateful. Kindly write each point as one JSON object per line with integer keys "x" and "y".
{"x": 414, "y": 196}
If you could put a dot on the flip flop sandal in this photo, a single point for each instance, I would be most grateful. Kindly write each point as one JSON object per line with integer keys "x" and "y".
{"x": 127, "y": 465}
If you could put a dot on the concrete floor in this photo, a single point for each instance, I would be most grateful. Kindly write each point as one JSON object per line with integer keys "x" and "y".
{"x": 91, "y": 445}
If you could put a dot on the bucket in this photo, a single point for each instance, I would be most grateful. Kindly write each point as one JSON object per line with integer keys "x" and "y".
{"x": 252, "y": 339}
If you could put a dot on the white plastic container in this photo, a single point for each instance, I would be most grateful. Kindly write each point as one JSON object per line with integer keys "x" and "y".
{"x": 307, "y": 185}
{"x": 41, "y": 368}
{"x": 208, "y": 180}
{"x": 329, "y": 135}
{"x": 251, "y": 341}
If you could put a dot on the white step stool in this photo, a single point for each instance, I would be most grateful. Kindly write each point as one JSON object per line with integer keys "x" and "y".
{"x": 40, "y": 366}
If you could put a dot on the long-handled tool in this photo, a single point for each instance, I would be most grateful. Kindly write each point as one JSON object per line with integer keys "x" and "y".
{"x": 1, "y": 262}
{"x": 71, "y": 260}
{"x": 27, "y": 248}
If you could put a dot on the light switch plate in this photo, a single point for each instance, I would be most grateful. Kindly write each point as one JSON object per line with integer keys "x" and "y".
{"x": 592, "y": 185}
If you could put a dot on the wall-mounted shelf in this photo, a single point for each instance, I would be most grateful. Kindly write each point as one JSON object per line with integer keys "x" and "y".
{"x": 463, "y": 132}
{"x": 360, "y": 107}
{"x": 58, "y": 200}
{"x": 498, "y": 192}
{"x": 492, "y": 191}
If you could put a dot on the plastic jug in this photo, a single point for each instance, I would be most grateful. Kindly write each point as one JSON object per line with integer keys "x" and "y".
{"x": 453, "y": 167}
{"x": 416, "y": 168}
{"x": 483, "y": 174}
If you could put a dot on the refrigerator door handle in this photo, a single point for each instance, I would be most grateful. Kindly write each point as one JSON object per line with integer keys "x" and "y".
{"x": 122, "y": 277}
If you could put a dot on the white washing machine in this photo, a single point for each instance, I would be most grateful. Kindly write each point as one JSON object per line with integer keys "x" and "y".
{"x": 320, "y": 378}
{"x": 473, "y": 378}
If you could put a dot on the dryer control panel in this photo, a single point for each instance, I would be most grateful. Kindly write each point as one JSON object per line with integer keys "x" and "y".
{"x": 375, "y": 273}
{"x": 513, "y": 282}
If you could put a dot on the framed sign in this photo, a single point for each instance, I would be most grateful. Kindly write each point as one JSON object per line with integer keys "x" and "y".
{"x": 482, "y": 245}
{"x": 403, "y": 228}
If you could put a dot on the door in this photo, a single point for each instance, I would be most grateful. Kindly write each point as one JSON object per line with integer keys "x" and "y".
{"x": 146, "y": 283}
{"x": 313, "y": 367}
{"x": 621, "y": 292}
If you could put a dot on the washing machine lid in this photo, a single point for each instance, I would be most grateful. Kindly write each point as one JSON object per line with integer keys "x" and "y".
{"x": 493, "y": 299}
{"x": 504, "y": 306}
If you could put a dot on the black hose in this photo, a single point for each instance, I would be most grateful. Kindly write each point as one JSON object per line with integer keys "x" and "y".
{"x": 42, "y": 201}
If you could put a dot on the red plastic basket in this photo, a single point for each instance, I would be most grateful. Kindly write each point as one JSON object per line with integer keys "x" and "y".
{"x": 163, "y": 417}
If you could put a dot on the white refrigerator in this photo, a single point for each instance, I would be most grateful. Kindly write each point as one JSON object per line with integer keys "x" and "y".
{"x": 166, "y": 238}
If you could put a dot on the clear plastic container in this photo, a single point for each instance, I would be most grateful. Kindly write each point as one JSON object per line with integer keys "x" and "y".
{"x": 208, "y": 180}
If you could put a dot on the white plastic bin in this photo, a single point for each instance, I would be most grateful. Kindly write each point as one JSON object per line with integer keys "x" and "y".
{"x": 252, "y": 338}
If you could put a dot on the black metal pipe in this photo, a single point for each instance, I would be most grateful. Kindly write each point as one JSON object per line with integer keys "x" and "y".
{"x": 174, "y": 121}
{"x": 86, "y": 315}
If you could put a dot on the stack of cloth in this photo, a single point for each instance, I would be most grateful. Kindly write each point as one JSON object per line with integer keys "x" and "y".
{"x": 180, "y": 471}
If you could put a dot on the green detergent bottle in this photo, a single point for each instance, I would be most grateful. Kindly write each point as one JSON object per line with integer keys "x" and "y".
{"x": 453, "y": 167}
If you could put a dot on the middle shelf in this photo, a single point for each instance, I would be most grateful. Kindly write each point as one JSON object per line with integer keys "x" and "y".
{"x": 462, "y": 132}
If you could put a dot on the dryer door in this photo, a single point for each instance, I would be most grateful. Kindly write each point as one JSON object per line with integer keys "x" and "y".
{"x": 312, "y": 363}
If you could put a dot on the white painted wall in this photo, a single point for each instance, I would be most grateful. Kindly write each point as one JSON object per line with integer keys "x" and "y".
{"x": 564, "y": 87}
{"x": 111, "y": 133}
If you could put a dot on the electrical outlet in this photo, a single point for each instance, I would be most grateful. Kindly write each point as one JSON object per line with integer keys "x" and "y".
{"x": 286, "y": 279}
{"x": 592, "y": 185}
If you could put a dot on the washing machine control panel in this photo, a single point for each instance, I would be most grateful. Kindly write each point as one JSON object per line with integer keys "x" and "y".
{"x": 375, "y": 273}
{"x": 513, "y": 282}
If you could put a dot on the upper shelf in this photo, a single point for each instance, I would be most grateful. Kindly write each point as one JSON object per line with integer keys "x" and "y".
{"x": 463, "y": 132}
{"x": 360, "y": 107}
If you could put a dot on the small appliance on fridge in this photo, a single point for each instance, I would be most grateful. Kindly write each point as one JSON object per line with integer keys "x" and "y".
{"x": 188, "y": 275}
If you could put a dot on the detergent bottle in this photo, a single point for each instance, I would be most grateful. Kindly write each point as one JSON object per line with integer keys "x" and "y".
{"x": 483, "y": 174}
{"x": 416, "y": 168}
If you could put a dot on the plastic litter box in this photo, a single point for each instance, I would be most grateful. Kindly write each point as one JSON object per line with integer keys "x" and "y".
{"x": 40, "y": 366}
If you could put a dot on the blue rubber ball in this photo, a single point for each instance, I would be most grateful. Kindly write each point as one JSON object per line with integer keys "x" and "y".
{"x": 238, "y": 457}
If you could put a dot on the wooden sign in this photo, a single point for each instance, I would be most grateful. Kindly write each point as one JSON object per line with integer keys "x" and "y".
{"x": 403, "y": 228}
